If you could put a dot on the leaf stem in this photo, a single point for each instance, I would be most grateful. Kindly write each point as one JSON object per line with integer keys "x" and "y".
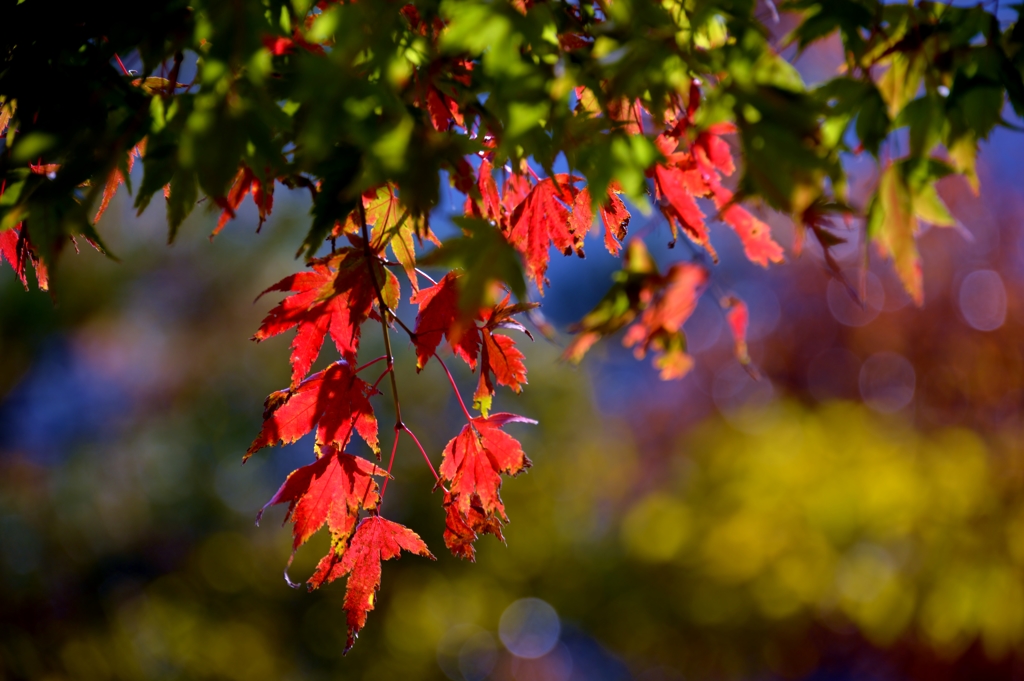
{"x": 121, "y": 64}
{"x": 455, "y": 388}
{"x": 391, "y": 462}
{"x": 424, "y": 453}
{"x": 410, "y": 332}
{"x": 426, "y": 276}
{"x": 369, "y": 364}
{"x": 381, "y": 378}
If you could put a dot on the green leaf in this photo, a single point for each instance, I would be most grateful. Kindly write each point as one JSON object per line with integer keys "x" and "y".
{"x": 901, "y": 81}
{"x": 183, "y": 198}
{"x": 31, "y": 146}
{"x": 335, "y": 199}
{"x": 906, "y": 192}
{"x": 924, "y": 117}
{"x": 892, "y": 224}
{"x": 486, "y": 257}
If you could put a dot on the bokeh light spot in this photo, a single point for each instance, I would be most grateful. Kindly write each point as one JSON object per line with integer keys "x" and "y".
{"x": 656, "y": 528}
{"x": 467, "y": 653}
{"x": 887, "y": 382}
{"x": 477, "y": 656}
{"x": 529, "y": 628}
{"x": 704, "y": 327}
{"x": 983, "y": 300}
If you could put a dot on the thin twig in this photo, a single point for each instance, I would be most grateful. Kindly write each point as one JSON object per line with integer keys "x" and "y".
{"x": 424, "y": 453}
{"x": 172, "y": 80}
{"x": 121, "y": 64}
{"x": 391, "y": 462}
{"x": 384, "y": 312}
{"x": 455, "y": 388}
{"x": 369, "y": 364}
{"x": 381, "y": 378}
{"x": 426, "y": 276}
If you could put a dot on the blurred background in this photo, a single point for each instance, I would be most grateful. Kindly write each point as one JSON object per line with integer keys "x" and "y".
{"x": 857, "y": 513}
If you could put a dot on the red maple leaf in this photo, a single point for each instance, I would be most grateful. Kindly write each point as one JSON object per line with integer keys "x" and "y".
{"x": 244, "y": 183}
{"x": 439, "y": 316}
{"x": 715, "y": 149}
{"x": 498, "y": 357}
{"x": 489, "y": 206}
{"x": 440, "y": 115}
{"x": 500, "y": 361}
{"x": 695, "y": 171}
{"x": 755, "y": 234}
{"x": 335, "y": 298}
{"x": 738, "y": 319}
{"x": 474, "y": 461}
{"x": 334, "y": 401}
{"x": 460, "y": 531}
{"x": 116, "y": 178}
{"x": 279, "y": 45}
{"x": 375, "y": 539}
{"x": 669, "y": 303}
{"x": 676, "y": 189}
{"x": 17, "y": 250}
{"x": 614, "y": 217}
{"x": 541, "y": 221}
{"x": 331, "y": 490}
{"x": 514, "y": 191}
{"x": 628, "y": 113}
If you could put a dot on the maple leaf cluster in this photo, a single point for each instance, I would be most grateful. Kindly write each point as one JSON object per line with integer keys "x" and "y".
{"x": 353, "y": 285}
{"x": 512, "y": 219}
{"x": 471, "y": 317}
{"x": 694, "y": 169}
{"x": 333, "y": 299}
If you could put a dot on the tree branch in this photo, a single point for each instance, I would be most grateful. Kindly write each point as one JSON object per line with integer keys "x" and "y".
{"x": 384, "y": 312}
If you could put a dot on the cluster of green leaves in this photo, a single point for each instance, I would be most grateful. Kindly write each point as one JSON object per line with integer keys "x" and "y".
{"x": 348, "y": 117}
{"x": 924, "y": 82}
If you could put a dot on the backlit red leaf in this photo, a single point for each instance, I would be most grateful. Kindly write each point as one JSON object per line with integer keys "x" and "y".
{"x": 335, "y": 298}
{"x": 614, "y": 218}
{"x": 439, "y": 316}
{"x": 11, "y": 253}
{"x": 331, "y": 490}
{"x": 541, "y": 221}
{"x": 245, "y": 182}
{"x": 115, "y": 179}
{"x": 17, "y": 250}
{"x": 375, "y": 539}
{"x": 755, "y": 234}
{"x": 738, "y": 318}
{"x": 461, "y": 531}
{"x": 674, "y": 187}
{"x": 669, "y": 303}
{"x": 716, "y": 150}
{"x": 440, "y": 116}
{"x": 489, "y": 205}
{"x": 499, "y": 358}
{"x": 333, "y": 401}
{"x": 474, "y": 461}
